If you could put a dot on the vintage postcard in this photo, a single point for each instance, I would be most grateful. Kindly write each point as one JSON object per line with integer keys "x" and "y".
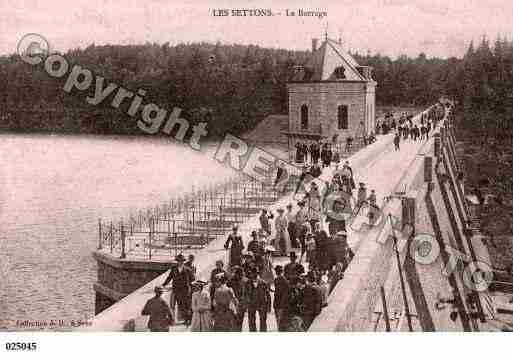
{"x": 235, "y": 166}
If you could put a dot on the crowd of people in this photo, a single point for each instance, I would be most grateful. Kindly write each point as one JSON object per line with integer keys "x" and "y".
{"x": 325, "y": 151}
{"x": 249, "y": 285}
{"x": 404, "y": 128}
{"x": 315, "y": 151}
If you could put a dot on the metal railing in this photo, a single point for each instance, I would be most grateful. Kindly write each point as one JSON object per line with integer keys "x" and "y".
{"x": 189, "y": 222}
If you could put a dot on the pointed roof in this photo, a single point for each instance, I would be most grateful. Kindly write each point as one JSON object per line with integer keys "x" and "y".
{"x": 324, "y": 62}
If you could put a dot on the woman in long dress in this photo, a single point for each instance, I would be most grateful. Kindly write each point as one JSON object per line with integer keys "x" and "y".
{"x": 201, "y": 315}
{"x": 282, "y": 241}
{"x": 224, "y": 304}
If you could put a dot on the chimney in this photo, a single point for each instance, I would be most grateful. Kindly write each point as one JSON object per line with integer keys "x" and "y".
{"x": 314, "y": 44}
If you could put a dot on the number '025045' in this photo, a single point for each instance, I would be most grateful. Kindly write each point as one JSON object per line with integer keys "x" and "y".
{"x": 20, "y": 346}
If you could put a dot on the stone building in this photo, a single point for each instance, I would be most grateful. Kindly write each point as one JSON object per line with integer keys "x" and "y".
{"x": 330, "y": 97}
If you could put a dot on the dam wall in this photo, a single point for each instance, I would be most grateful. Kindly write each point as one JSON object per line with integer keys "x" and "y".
{"x": 434, "y": 293}
{"x": 388, "y": 286}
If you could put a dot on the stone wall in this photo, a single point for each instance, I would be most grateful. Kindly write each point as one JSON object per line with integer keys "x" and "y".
{"x": 323, "y": 99}
{"x": 437, "y": 295}
{"x": 119, "y": 277}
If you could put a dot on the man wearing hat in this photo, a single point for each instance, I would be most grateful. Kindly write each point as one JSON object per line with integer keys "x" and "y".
{"x": 264, "y": 221}
{"x": 214, "y": 275}
{"x": 236, "y": 248}
{"x": 281, "y": 174}
{"x": 182, "y": 278}
{"x": 257, "y": 299}
{"x": 335, "y": 216}
{"x": 256, "y": 246}
{"x": 362, "y": 195}
{"x": 281, "y": 298}
{"x": 347, "y": 172}
{"x": 160, "y": 313}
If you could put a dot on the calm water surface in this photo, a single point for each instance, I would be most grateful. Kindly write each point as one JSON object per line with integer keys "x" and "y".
{"x": 53, "y": 189}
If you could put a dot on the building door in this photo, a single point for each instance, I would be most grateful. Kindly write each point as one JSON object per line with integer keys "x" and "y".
{"x": 304, "y": 117}
{"x": 342, "y": 117}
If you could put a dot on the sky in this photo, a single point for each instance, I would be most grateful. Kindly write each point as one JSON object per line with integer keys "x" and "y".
{"x": 440, "y": 28}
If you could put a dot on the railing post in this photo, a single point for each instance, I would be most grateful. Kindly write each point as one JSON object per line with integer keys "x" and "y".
{"x": 111, "y": 237}
{"x": 123, "y": 254}
{"x": 385, "y": 310}
{"x": 169, "y": 236}
{"x": 100, "y": 239}
{"x": 208, "y": 227}
{"x": 150, "y": 225}
{"x": 176, "y": 243}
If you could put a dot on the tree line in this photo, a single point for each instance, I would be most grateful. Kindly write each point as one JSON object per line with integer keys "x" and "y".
{"x": 233, "y": 87}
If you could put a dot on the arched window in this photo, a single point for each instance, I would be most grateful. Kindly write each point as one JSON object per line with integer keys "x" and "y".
{"x": 304, "y": 117}
{"x": 342, "y": 117}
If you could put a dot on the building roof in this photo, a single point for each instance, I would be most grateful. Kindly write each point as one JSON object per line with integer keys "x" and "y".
{"x": 330, "y": 62}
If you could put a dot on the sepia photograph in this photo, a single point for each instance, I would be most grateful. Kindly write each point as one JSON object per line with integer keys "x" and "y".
{"x": 254, "y": 166}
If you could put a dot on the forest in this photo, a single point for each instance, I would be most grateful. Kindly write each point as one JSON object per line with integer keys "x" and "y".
{"x": 233, "y": 87}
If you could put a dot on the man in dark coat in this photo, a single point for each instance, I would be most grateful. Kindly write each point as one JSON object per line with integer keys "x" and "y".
{"x": 281, "y": 298}
{"x": 236, "y": 248}
{"x": 397, "y": 141}
{"x": 322, "y": 247}
{"x": 219, "y": 269}
{"x": 312, "y": 300}
{"x": 160, "y": 313}
{"x": 336, "y": 220}
{"x": 299, "y": 152}
{"x": 257, "y": 299}
{"x": 312, "y": 151}
{"x": 280, "y": 174}
{"x": 324, "y": 156}
{"x": 257, "y": 249}
{"x": 293, "y": 269}
{"x": 182, "y": 278}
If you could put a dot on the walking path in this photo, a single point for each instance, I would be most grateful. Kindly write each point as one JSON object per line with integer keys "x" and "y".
{"x": 378, "y": 165}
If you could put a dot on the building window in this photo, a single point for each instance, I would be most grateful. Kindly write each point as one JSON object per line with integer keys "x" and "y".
{"x": 304, "y": 117}
{"x": 342, "y": 117}
{"x": 340, "y": 73}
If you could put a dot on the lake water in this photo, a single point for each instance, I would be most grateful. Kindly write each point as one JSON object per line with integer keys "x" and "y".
{"x": 53, "y": 189}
